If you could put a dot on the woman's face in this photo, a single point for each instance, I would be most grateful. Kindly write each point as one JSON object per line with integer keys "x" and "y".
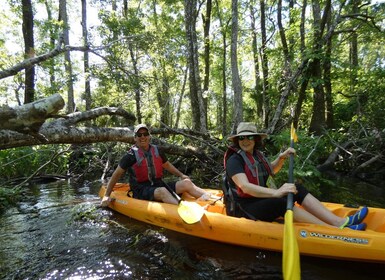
{"x": 247, "y": 143}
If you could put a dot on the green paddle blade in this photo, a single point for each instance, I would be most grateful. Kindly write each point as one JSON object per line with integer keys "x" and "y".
{"x": 190, "y": 212}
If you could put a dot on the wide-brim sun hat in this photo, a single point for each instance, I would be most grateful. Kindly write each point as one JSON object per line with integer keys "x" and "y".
{"x": 246, "y": 129}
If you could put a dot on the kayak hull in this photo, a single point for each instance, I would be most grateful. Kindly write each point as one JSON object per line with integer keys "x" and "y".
{"x": 313, "y": 240}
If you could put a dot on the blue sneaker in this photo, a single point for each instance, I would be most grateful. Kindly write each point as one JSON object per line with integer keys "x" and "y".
{"x": 358, "y": 217}
{"x": 361, "y": 226}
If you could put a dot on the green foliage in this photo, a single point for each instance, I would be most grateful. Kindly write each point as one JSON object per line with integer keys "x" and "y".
{"x": 310, "y": 152}
{"x": 8, "y": 197}
{"x": 84, "y": 213}
{"x": 22, "y": 162}
{"x": 366, "y": 104}
{"x": 144, "y": 56}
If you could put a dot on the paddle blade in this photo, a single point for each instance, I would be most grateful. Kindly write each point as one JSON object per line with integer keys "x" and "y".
{"x": 293, "y": 134}
{"x": 290, "y": 261}
{"x": 190, "y": 212}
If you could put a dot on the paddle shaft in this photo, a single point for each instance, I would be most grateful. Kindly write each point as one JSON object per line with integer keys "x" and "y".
{"x": 290, "y": 203}
{"x": 174, "y": 194}
{"x": 290, "y": 260}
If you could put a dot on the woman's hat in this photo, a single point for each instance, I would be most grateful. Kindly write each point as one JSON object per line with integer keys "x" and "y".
{"x": 245, "y": 129}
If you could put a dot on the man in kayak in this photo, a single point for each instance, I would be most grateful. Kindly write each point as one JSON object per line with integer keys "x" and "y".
{"x": 144, "y": 164}
{"x": 248, "y": 171}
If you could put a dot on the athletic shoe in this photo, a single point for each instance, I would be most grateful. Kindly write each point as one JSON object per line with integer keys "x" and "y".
{"x": 358, "y": 217}
{"x": 361, "y": 226}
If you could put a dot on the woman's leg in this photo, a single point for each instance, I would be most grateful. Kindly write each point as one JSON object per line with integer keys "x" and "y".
{"x": 318, "y": 210}
{"x": 302, "y": 216}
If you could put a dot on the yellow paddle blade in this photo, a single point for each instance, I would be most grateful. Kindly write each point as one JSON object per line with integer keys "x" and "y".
{"x": 293, "y": 134}
{"x": 290, "y": 261}
{"x": 190, "y": 212}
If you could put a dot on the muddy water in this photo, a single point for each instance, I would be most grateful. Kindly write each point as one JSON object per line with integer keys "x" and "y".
{"x": 59, "y": 232}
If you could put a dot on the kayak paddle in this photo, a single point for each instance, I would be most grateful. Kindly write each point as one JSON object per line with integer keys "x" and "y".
{"x": 290, "y": 261}
{"x": 190, "y": 212}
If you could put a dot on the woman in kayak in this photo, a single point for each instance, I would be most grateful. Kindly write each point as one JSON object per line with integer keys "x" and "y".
{"x": 144, "y": 164}
{"x": 248, "y": 171}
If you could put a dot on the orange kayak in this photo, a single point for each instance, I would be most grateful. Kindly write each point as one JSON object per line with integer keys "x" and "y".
{"x": 313, "y": 240}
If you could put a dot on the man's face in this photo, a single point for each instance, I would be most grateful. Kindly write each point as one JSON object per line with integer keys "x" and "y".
{"x": 142, "y": 138}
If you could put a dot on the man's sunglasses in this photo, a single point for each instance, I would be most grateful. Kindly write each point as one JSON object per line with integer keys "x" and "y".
{"x": 249, "y": 137}
{"x": 138, "y": 134}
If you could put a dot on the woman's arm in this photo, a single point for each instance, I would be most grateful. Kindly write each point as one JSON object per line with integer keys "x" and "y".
{"x": 280, "y": 160}
{"x": 242, "y": 182}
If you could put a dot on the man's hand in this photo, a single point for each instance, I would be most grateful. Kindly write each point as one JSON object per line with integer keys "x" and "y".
{"x": 184, "y": 177}
{"x": 105, "y": 201}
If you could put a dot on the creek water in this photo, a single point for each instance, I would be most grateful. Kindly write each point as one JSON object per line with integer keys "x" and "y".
{"x": 59, "y": 232}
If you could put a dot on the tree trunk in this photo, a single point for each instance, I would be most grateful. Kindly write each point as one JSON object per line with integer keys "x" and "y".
{"x": 181, "y": 98}
{"x": 198, "y": 116}
{"x": 52, "y": 40}
{"x": 353, "y": 57}
{"x": 327, "y": 77}
{"x": 206, "y": 33}
{"x": 285, "y": 87}
{"x": 265, "y": 67}
{"x": 165, "y": 99}
{"x": 304, "y": 81}
{"x": 32, "y": 115}
{"x": 87, "y": 85}
{"x": 237, "y": 85}
{"x": 29, "y": 50}
{"x": 67, "y": 55}
{"x": 26, "y": 125}
{"x": 317, "y": 122}
{"x": 136, "y": 83}
{"x": 258, "y": 87}
{"x": 163, "y": 82}
{"x": 223, "y": 28}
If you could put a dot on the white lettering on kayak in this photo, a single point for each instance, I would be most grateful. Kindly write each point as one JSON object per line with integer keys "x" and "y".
{"x": 121, "y": 201}
{"x": 347, "y": 239}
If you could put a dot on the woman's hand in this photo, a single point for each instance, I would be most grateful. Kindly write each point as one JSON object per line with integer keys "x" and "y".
{"x": 287, "y": 153}
{"x": 285, "y": 189}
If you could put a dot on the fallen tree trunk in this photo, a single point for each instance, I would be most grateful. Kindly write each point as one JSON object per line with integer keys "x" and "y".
{"x": 31, "y": 116}
{"x": 63, "y": 129}
{"x": 27, "y": 125}
{"x": 65, "y": 135}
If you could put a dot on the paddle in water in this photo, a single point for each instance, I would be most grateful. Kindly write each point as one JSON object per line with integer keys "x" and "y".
{"x": 190, "y": 212}
{"x": 290, "y": 261}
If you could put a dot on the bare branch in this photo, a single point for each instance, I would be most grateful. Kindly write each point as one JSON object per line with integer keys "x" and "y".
{"x": 59, "y": 49}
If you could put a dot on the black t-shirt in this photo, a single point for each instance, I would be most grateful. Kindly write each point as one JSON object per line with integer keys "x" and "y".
{"x": 235, "y": 165}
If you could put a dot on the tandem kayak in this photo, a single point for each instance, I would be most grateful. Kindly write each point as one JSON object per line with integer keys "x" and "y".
{"x": 313, "y": 240}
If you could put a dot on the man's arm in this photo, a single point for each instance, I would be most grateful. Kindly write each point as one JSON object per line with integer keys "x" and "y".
{"x": 173, "y": 170}
{"x": 111, "y": 183}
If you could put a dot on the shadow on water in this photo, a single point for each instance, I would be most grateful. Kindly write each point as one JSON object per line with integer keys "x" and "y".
{"x": 59, "y": 232}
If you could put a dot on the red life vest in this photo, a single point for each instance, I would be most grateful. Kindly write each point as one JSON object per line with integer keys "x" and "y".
{"x": 250, "y": 166}
{"x": 148, "y": 166}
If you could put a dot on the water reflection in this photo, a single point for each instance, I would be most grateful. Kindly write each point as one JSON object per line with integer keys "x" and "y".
{"x": 58, "y": 232}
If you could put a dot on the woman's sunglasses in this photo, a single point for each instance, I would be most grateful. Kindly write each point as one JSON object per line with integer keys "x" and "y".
{"x": 249, "y": 137}
{"x": 138, "y": 134}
